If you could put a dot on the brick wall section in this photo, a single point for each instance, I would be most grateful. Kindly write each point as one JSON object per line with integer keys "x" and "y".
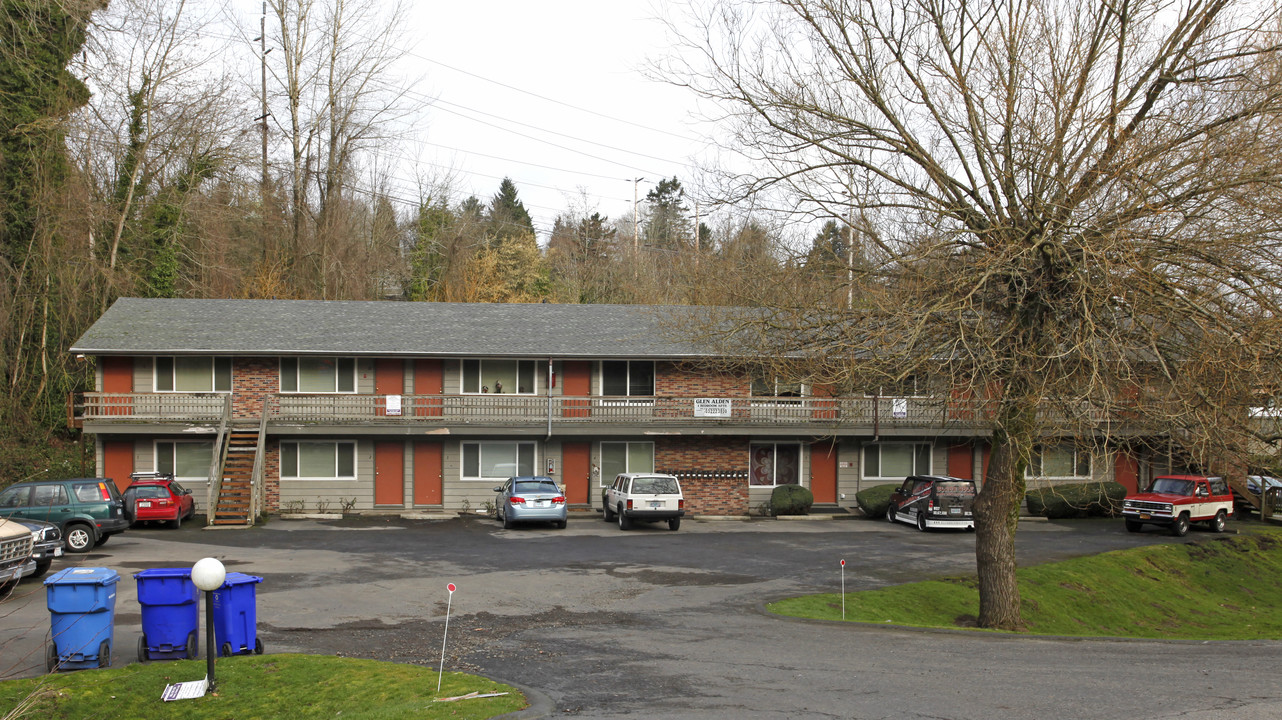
{"x": 693, "y": 459}
{"x": 681, "y": 380}
{"x": 271, "y": 476}
{"x": 253, "y": 380}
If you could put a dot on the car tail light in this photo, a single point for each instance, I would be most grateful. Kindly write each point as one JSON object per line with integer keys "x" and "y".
{"x": 102, "y": 488}
{"x": 629, "y": 503}
{"x": 681, "y": 504}
{"x": 515, "y": 500}
{"x": 558, "y": 499}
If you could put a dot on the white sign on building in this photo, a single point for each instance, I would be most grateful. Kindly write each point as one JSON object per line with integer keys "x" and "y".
{"x": 712, "y": 407}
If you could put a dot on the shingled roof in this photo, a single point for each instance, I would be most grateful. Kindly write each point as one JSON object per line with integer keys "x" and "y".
{"x": 140, "y": 326}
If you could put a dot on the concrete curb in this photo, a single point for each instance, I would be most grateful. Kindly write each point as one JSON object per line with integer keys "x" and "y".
{"x": 310, "y": 516}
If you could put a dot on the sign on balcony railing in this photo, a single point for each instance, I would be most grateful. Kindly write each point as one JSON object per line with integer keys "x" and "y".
{"x": 712, "y": 407}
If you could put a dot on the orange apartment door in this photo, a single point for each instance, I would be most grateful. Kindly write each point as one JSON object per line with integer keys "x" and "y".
{"x": 389, "y": 379}
{"x": 576, "y": 386}
{"x": 1126, "y": 471}
{"x": 961, "y": 461}
{"x": 576, "y": 471}
{"x": 823, "y": 472}
{"x": 389, "y": 473}
{"x": 118, "y": 377}
{"x": 429, "y": 379}
{"x": 118, "y": 461}
{"x": 427, "y": 473}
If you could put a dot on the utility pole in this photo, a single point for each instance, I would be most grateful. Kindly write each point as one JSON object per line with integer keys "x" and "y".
{"x": 262, "y": 58}
{"x": 850, "y": 257}
{"x": 636, "y": 248}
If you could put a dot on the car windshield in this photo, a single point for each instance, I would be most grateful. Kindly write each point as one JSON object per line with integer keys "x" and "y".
{"x": 956, "y": 489}
{"x": 1173, "y": 486}
{"x": 534, "y": 486}
{"x": 655, "y": 486}
{"x": 150, "y": 491}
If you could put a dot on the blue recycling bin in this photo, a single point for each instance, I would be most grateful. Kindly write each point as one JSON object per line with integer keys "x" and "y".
{"x": 82, "y": 612}
{"x": 236, "y": 616}
{"x": 170, "y": 614}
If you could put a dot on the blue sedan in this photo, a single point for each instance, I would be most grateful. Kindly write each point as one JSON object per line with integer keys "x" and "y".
{"x": 530, "y": 499}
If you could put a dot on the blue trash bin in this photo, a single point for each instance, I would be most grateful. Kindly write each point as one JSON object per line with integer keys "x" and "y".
{"x": 82, "y": 612}
{"x": 170, "y": 614}
{"x": 236, "y": 617}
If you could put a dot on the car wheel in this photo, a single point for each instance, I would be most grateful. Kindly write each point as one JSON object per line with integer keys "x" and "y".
{"x": 890, "y": 513}
{"x": 42, "y": 567}
{"x": 51, "y": 658}
{"x": 1219, "y": 522}
{"x": 921, "y": 521}
{"x": 507, "y": 521}
{"x": 1180, "y": 527}
{"x": 104, "y": 654}
{"x": 177, "y": 522}
{"x": 102, "y": 540}
{"x": 674, "y": 524}
{"x": 79, "y": 538}
{"x": 560, "y": 525}
{"x": 142, "y": 650}
{"x": 1134, "y": 526}
{"x": 624, "y": 522}
{"x": 606, "y": 513}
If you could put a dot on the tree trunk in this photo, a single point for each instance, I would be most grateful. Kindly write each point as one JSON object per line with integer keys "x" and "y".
{"x": 997, "y": 518}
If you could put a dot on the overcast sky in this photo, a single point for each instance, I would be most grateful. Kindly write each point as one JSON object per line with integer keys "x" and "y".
{"x": 550, "y": 94}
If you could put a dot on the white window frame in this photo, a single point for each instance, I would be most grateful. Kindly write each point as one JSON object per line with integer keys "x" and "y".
{"x": 627, "y": 459}
{"x": 891, "y": 391}
{"x": 1037, "y": 463}
{"x": 480, "y": 449}
{"x": 339, "y": 371}
{"x": 481, "y": 387}
{"x": 157, "y": 453}
{"x": 287, "y": 445}
{"x": 215, "y": 364}
{"x": 916, "y": 455}
{"x": 647, "y": 399}
{"x": 775, "y": 471}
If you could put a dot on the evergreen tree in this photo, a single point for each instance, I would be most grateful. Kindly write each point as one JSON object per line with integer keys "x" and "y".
{"x": 666, "y": 225}
{"x": 507, "y": 215}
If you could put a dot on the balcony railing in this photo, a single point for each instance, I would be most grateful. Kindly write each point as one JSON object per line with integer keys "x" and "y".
{"x": 525, "y": 410}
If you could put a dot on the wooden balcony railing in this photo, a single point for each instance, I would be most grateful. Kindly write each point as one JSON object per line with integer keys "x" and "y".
{"x": 521, "y": 410}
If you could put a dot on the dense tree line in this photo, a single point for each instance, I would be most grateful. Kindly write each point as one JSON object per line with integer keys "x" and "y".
{"x": 127, "y": 168}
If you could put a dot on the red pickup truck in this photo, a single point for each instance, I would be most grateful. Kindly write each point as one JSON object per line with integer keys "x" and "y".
{"x": 1177, "y": 500}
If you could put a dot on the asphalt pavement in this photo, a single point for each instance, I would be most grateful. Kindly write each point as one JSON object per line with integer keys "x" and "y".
{"x": 595, "y": 622}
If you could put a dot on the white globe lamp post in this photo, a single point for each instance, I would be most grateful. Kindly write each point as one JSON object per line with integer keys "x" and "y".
{"x": 208, "y": 575}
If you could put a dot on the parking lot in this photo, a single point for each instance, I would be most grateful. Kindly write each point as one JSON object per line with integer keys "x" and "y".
{"x": 596, "y": 622}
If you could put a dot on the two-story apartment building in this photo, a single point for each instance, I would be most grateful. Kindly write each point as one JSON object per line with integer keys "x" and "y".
{"x": 399, "y": 406}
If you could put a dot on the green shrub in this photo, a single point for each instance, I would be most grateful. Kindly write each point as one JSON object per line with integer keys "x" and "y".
{"x": 873, "y": 501}
{"x": 1076, "y": 500}
{"x": 791, "y": 500}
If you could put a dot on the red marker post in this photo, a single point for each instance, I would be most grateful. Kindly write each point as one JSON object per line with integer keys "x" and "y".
{"x": 448, "y": 603}
{"x": 843, "y": 589}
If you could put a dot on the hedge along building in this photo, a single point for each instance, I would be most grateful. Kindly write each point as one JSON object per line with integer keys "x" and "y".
{"x": 265, "y": 405}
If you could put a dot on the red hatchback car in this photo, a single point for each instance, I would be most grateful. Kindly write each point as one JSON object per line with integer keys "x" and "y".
{"x": 153, "y": 497}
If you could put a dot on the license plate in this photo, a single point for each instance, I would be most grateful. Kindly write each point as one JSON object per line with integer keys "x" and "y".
{"x": 544, "y": 503}
{"x": 656, "y": 503}
{"x": 1144, "y": 516}
{"x": 954, "y": 511}
{"x": 57, "y": 552}
{"x": 144, "y": 504}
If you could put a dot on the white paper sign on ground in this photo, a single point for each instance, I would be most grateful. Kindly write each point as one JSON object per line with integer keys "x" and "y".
{"x": 186, "y": 690}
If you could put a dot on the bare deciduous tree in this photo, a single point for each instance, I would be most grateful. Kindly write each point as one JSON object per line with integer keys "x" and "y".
{"x": 1072, "y": 213}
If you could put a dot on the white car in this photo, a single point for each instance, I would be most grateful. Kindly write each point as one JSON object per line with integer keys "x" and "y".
{"x": 647, "y": 497}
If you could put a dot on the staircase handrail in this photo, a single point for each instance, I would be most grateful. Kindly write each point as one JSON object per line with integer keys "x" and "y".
{"x": 257, "y": 488}
{"x": 216, "y": 462}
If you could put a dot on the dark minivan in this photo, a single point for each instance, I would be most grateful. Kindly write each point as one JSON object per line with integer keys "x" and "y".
{"x": 86, "y": 510}
{"x": 934, "y": 501}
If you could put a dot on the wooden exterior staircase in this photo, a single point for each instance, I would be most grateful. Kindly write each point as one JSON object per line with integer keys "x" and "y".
{"x": 235, "y": 503}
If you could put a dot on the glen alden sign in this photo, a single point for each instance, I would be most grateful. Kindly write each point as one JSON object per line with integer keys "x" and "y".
{"x": 712, "y": 407}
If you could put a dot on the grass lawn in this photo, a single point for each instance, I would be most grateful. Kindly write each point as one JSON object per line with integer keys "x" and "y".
{"x": 1224, "y": 589}
{"x": 257, "y": 686}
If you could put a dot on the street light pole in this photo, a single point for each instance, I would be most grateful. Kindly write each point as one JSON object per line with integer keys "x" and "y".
{"x": 208, "y": 575}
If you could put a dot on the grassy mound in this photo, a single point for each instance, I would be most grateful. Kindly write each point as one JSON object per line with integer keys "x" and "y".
{"x": 258, "y": 686}
{"x": 1223, "y": 589}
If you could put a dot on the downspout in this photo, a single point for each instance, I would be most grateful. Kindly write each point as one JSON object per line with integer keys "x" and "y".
{"x": 549, "y": 389}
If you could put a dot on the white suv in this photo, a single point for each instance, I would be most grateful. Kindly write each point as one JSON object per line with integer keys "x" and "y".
{"x": 647, "y": 497}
